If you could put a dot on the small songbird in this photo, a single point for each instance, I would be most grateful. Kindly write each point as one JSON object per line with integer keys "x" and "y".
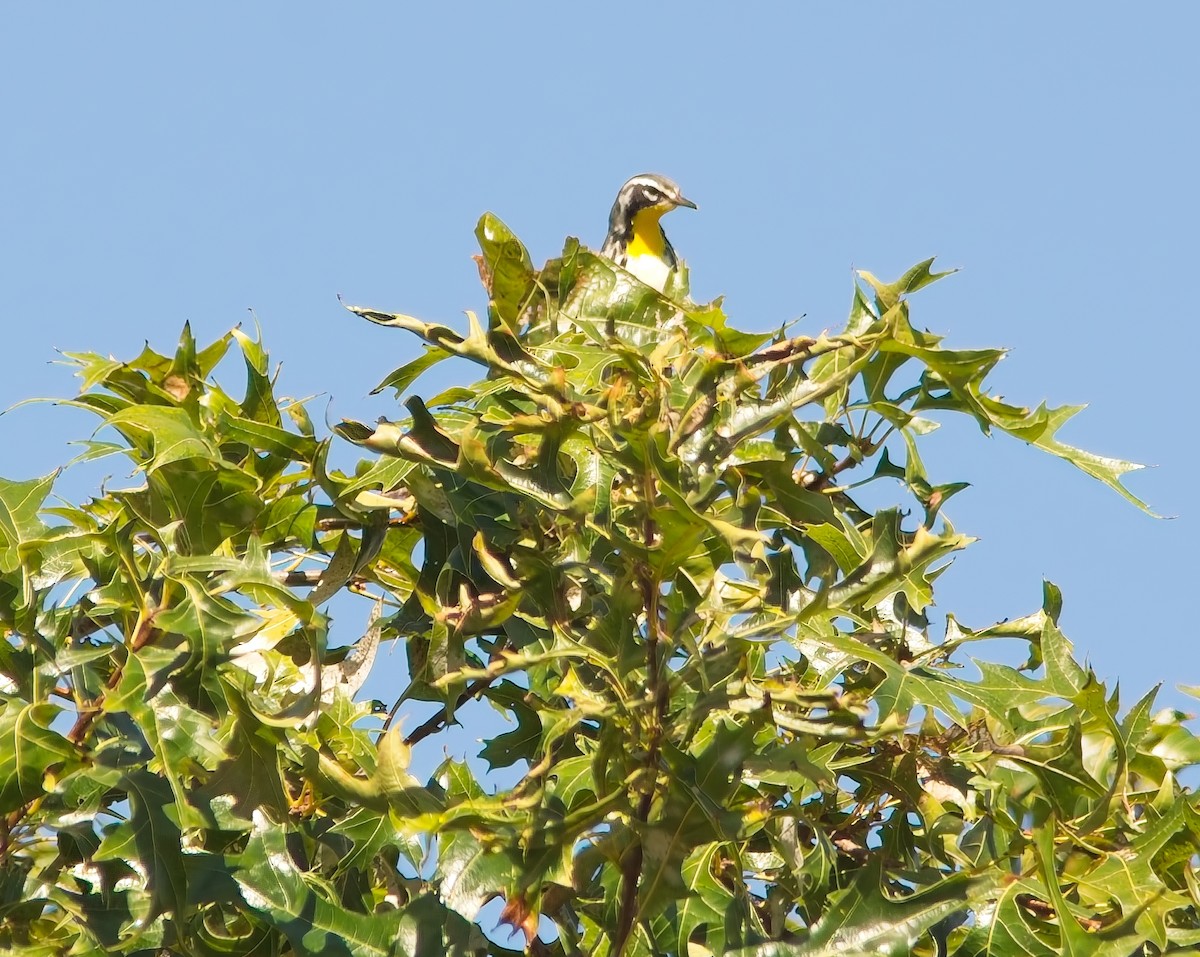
{"x": 636, "y": 240}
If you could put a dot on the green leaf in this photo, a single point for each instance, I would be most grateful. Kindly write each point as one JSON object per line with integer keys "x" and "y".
{"x": 863, "y": 921}
{"x": 306, "y": 910}
{"x": 20, "y": 503}
{"x": 371, "y": 831}
{"x": 521, "y": 743}
{"x": 512, "y": 279}
{"x": 407, "y": 374}
{"x": 471, "y": 873}
{"x": 259, "y": 403}
{"x": 693, "y": 813}
{"x": 29, "y": 751}
{"x": 152, "y": 840}
{"x": 162, "y": 436}
{"x": 710, "y": 908}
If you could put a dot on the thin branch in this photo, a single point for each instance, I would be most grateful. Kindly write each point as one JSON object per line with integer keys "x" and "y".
{"x": 790, "y": 350}
{"x": 338, "y": 522}
{"x": 299, "y": 579}
{"x": 819, "y": 481}
{"x": 142, "y": 636}
{"x": 631, "y": 865}
{"x": 440, "y": 718}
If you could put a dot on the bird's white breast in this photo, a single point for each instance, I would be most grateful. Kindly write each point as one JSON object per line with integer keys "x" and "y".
{"x": 652, "y": 270}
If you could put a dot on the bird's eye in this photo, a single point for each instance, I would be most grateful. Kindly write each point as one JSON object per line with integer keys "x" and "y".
{"x": 653, "y": 195}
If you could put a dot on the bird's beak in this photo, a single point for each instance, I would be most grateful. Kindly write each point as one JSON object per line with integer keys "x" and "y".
{"x": 684, "y": 201}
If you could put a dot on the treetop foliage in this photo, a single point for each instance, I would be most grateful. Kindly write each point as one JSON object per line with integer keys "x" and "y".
{"x": 639, "y": 538}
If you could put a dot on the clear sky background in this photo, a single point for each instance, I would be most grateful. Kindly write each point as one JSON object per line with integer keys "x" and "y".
{"x": 171, "y": 162}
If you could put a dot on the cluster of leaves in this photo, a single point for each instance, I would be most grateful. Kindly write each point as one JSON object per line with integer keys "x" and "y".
{"x": 730, "y": 731}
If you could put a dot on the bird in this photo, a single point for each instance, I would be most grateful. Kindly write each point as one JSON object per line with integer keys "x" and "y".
{"x": 636, "y": 241}
{"x": 616, "y": 287}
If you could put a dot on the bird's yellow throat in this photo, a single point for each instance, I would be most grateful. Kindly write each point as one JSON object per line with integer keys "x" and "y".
{"x": 647, "y": 238}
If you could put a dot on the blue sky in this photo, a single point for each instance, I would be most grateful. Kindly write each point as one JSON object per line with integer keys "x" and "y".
{"x": 171, "y": 162}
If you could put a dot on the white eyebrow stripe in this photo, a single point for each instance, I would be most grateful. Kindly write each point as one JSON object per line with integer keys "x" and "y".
{"x": 661, "y": 183}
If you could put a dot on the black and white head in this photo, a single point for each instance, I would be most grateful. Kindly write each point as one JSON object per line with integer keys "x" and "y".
{"x": 646, "y": 191}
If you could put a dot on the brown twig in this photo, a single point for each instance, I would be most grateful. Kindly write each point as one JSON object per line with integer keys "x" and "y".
{"x": 1046, "y": 911}
{"x": 439, "y": 719}
{"x": 631, "y": 865}
{"x": 300, "y": 579}
{"x": 338, "y": 522}
{"x": 141, "y": 637}
{"x": 87, "y": 715}
{"x": 819, "y": 481}
{"x": 789, "y": 350}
